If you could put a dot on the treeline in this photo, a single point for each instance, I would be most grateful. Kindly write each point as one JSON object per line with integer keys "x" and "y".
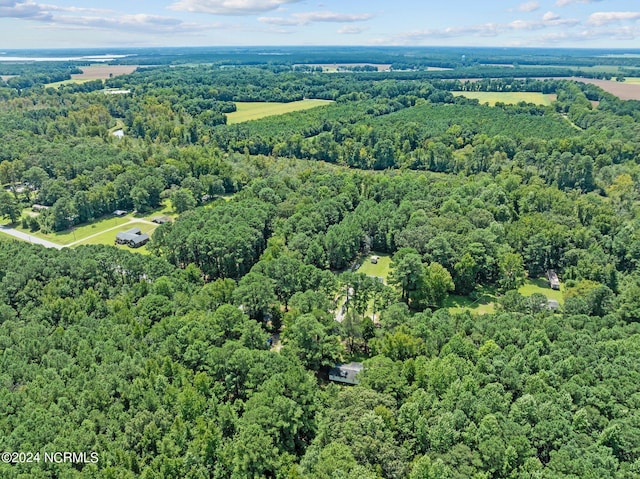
{"x": 169, "y": 365}
{"x": 164, "y": 376}
{"x": 26, "y": 75}
{"x": 87, "y": 181}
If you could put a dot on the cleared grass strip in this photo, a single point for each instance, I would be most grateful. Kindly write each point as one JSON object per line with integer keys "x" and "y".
{"x": 247, "y": 111}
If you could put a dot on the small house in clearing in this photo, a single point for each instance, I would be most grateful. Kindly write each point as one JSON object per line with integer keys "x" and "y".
{"x": 134, "y": 238}
{"x": 161, "y": 219}
{"x": 345, "y": 373}
{"x": 554, "y": 282}
{"x": 119, "y": 213}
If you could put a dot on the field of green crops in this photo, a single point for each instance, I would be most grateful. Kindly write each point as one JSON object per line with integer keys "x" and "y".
{"x": 255, "y": 110}
{"x": 508, "y": 97}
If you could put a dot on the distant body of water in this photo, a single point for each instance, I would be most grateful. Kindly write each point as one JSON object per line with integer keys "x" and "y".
{"x": 92, "y": 58}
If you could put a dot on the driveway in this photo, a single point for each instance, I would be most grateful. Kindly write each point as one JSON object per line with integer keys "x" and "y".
{"x": 31, "y": 239}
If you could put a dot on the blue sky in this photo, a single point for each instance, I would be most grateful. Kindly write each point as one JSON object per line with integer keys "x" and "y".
{"x": 119, "y": 23}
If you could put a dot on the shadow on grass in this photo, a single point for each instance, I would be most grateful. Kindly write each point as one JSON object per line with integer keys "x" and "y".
{"x": 483, "y": 300}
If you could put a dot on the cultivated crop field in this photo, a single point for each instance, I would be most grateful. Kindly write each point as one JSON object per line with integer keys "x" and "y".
{"x": 627, "y": 90}
{"x": 508, "y": 97}
{"x": 247, "y": 111}
{"x": 96, "y": 72}
{"x": 102, "y": 72}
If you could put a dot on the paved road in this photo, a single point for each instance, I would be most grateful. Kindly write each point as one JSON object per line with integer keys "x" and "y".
{"x": 29, "y": 238}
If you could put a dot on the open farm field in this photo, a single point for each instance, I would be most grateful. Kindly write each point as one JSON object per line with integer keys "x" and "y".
{"x": 632, "y": 80}
{"x": 508, "y": 97}
{"x": 102, "y": 72}
{"x": 96, "y": 72}
{"x": 623, "y": 90}
{"x": 247, "y": 111}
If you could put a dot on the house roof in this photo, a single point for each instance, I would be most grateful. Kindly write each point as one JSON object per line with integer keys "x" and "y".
{"x": 139, "y": 239}
{"x": 129, "y": 235}
{"x": 161, "y": 219}
{"x": 345, "y": 373}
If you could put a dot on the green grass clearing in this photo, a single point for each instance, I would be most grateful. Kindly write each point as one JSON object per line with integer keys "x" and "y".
{"x": 246, "y": 111}
{"x": 165, "y": 210}
{"x": 632, "y": 80}
{"x": 78, "y": 233}
{"x": 508, "y": 97}
{"x": 109, "y": 237}
{"x": 484, "y": 304}
{"x": 541, "y": 286}
{"x": 66, "y": 82}
{"x": 380, "y": 270}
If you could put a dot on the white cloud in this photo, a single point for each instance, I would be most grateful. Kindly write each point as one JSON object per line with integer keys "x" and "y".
{"x": 548, "y": 21}
{"x": 21, "y": 9}
{"x": 56, "y": 8}
{"x": 522, "y": 25}
{"x": 75, "y": 17}
{"x": 588, "y": 35}
{"x": 229, "y": 7}
{"x": 351, "y": 30}
{"x": 563, "y": 3}
{"x": 551, "y": 19}
{"x": 313, "y": 17}
{"x": 604, "y": 18}
{"x": 550, "y": 16}
{"x": 136, "y": 23}
{"x": 529, "y": 6}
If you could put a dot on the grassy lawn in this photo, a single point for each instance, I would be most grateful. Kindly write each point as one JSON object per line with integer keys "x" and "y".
{"x": 485, "y": 304}
{"x": 381, "y": 269}
{"x": 109, "y": 237}
{"x": 165, "y": 210}
{"x": 541, "y": 286}
{"x": 507, "y": 97}
{"x": 79, "y": 232}
{"x": 254, "y": 110}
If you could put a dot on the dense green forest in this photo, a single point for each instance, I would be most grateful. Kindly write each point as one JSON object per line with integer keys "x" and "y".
{"x": 208, "y": 357}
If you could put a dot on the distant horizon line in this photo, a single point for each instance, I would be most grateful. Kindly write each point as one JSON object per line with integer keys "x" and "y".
{"x": 149, "y": 47}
